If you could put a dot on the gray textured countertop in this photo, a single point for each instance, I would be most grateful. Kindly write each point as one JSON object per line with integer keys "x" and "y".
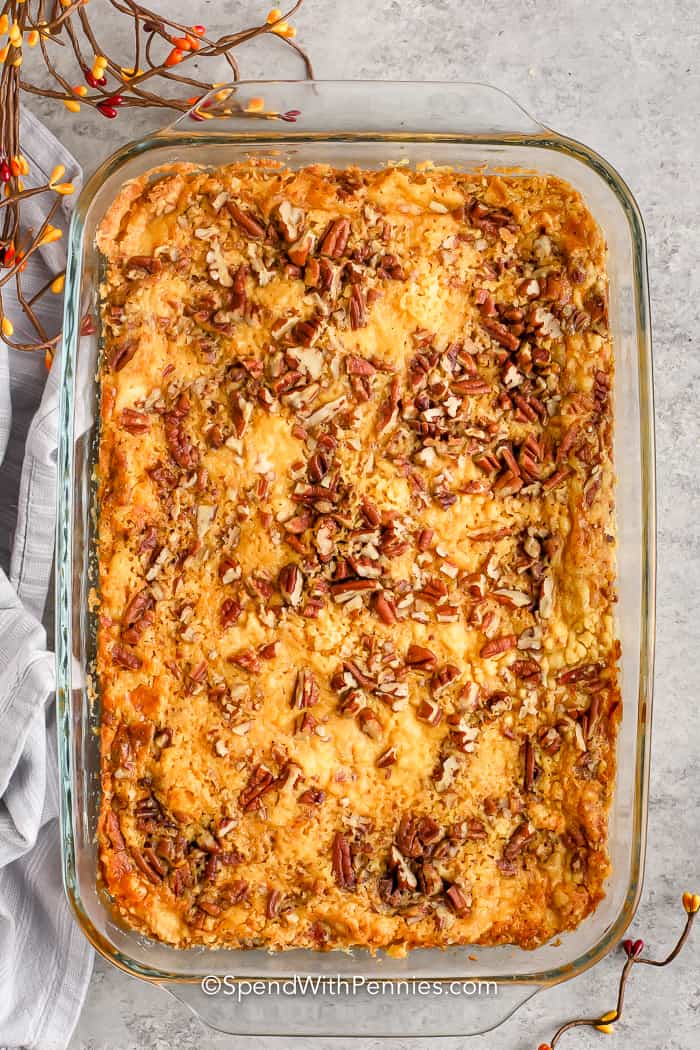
{"x": 625, "y": 79}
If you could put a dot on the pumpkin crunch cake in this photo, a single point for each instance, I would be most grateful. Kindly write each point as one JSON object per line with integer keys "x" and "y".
{"x": 356, "y": 657}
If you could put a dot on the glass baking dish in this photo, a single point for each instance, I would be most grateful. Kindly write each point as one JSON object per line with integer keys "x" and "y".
{"x": 465, "y": 126}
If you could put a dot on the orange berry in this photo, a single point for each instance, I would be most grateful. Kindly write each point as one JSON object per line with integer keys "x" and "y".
{"x": 175, "y": 56}
{"x": 691, "y": 902}
{"x": 274, "y": 15}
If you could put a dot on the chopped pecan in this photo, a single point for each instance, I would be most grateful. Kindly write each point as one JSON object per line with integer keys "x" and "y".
{"x": 289, "y": 220}
{"x": 291, "y": 584}
{"x": 179, "y": 443}
{"x": 358, "y": 314}
{"x": 526, "y": 669}
{"x": 312, "y": 797}
{"x": 359, "y": 366}
{"x": 429, "y": 712}
{"x": 517, "y": 840}
{"x": 300, "y": 251}
{"x": 306, "y": 691}
{"x": 122, "y": 353}
{"x": 443, "y": 677}
{"x": 459, "y": 899}
{"x": 261, "y": 781}
{"x": 498, "y": 645}
{"x": 580, "y": 673}
{"x": 124, "y": 658}
{"x": 113, "y": 831}
{"x": 139, "y": 604}
{"x": 429, "y": 879}
{"x": 230, "y": 611}
{"x": 387, "y": 758}
{"x": 134, "y": 422}
{"x": 149, "y": 864}
{"x": 246, "y": 659}
{"x": 246, "y": 221}
{"x": 148, "y": 263}
{"x": 341, "y": 860}
{"x": 421, "y": 658}
{"x": 268, "y": 651}
{"x": 385, "y": 608}
{"x": 405, "y": 879}
{"x": 501, "y": 333}
{"x": 335, "y": 239}
{"x": 369, "y": 723}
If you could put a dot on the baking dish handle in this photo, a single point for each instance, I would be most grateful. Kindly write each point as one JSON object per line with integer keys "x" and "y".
{"x": 350, "y": 1006}
{"x": 340, "y": 108}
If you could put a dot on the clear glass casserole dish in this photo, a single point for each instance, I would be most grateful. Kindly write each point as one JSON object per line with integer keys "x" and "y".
{"x": 465, "y": 126}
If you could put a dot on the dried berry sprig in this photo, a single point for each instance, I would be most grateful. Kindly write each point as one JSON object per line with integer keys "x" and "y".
{"x": 154, "y": 76}
{"x": 633, "y": 949}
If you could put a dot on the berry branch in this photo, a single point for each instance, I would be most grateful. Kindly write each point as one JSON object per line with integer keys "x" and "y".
{"x": 156, "y": 75}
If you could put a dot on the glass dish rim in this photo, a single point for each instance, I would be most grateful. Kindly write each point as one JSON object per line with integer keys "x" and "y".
{"x": 538, "y": 136}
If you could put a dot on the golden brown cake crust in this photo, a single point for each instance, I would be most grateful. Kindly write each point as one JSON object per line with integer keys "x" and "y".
{"x": 356, "y": 654}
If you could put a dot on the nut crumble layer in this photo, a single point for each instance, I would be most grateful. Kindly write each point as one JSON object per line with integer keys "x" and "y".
{"x": 356, "y": 652}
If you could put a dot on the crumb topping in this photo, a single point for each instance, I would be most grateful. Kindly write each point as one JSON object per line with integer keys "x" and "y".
{"x": 356, "y": 651}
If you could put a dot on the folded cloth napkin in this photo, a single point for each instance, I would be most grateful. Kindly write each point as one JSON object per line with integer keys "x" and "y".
{"x": 45, "y": 961}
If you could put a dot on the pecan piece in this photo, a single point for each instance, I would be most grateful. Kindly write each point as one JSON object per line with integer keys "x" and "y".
{"x": 306, "y": 691}
{"x": 405, "y": 879}
{"x": 359, "y": 366}
{"x": 246, "y": 222}
{"x": 246, "y": 659}
{"x": 517, "y": 840}
{"x": 180, "y": 446}
{"x": 429, "y": 711}
{"x": 122, "y": 353}
{"x": 501, "y": 333}
{"x": 460, "y": 900}
{"x": 289, "y": 220}
{"x": 134, "y": 422}
{"x": 335, "y": 239}
{"x": 358, "y": 314}
{"x": 123, "y": 658}
{"x": 291, "y": 584}
{"x": 230, "y": 611}
{"x": 420, "y": 658}
{"x": 387, "y": 758}
{"x": 342, "y": 862}
{"x": 369, "y": 723}
{"x": 317, "y": 467}
{"x": 387, "y": 409}
{"x": 137, "y": 607}
{"x": 498, "y": 645}
{"x": 261, "y": 781}
{"x": 149, "y": 864}
{"x": 429, "y": 879}
{"x": 443, "y": 677}
{"x": 385, "y": 608}
{"x": 299, "y": 253}
{"x": 147, "y": 263}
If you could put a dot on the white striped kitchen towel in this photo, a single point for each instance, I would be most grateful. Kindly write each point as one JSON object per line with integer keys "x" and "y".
{"x": 45, "y": 961}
